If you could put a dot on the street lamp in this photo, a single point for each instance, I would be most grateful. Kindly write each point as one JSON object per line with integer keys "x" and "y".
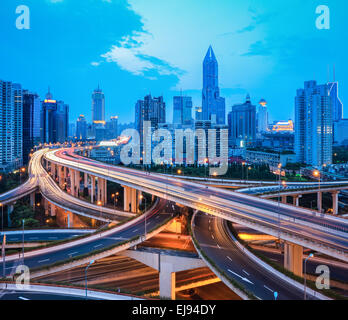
{"x": 2, "y": 217}
{"x": 316, "y": 173}
{"x": 179, "y": 171}
{"x": 23, "y": 240}
{"x": 141, "y": 197}
{"x": 280, "y": 175}
{"x": 100, "y": 204}
{"x": 249, "y": 168}
{"x": 305, "y": 279}
{"x": 90, "y": 263}
{"x": 205, "y": 167}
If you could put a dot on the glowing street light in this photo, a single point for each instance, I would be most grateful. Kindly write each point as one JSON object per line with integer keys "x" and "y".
{"x": 305, "y": 278}
{"x": 141, "y": 197}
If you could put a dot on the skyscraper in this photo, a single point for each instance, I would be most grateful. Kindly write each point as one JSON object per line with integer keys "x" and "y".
{"x": 11, "y": 117}
{"x": 31, "y": 123}
{"x": 313, "y": 124}
{"x": 212, "y": 103}
{"x": 262, "y": 116}
{"x": 81, "y": 128}
{"x": 112, "y": 128}
{"x": 182, "y": 110}
{"x": 98, "y": 105}
{"x": 149, "y": 109}
{"x": 54, "y": 120}
{"x": 242, "y": 124}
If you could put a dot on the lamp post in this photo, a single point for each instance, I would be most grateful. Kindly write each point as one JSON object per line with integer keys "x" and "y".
{"x": 249, "y": 168}
{"x": 100, "y": 204}
{"x": 141, "y": 197}
{"x": 280, "y": 179}
{"x": 90, "y": 263}
{"x": 2, "y": 217}
{"x": 205, "y": 167}
{"x": 316, "y": 173}
{"x": 305, "y": 278}
{"x": 23, "y": 240}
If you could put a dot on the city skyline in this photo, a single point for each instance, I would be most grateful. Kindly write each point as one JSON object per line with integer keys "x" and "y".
{"x": 252, "y": 63}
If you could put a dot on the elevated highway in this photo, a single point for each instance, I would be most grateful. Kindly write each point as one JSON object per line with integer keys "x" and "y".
{"x": 79, "y": 250}
{"x": 214, "y": 240}
{"x": 322, "y": 233}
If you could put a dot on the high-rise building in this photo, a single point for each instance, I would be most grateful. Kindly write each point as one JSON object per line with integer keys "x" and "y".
{"x": 262, "y": 117}
{"x": 98, "y": 105}
{"x": 182, "y": 110}
{"x": 31, "y": 123}
{"x": 313, "y": 124}
{"x": 242, "y": 124}
{"x": 11, "y": 128}
{"x": 54, "y": 120}
{"x": 112, "y": 128}
{"x": 157, "y": 110}
{"x": 149, "y": 109}
{"x": 337, "y": 105}
{"x": 212, "y": 103}
{"x": 81, "y": 128}
{"x": 198, "y": 114}
{"x": 72, "y": 130}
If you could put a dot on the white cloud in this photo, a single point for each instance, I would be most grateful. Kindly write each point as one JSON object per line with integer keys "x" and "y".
{"x": 129, "y": 55}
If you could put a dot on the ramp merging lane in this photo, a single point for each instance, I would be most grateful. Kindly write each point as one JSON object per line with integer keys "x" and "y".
{"x": 53, "y": 193}
{"x": 156, "y": 217}
{"x": 323, "y": 233}
{"x": 43, "y": 235}
{"x": 213, "y": 239}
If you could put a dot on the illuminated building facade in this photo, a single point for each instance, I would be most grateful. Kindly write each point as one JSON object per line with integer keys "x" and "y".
{"x": 54, "y": 120}
{"x": 212, "y": 103}
{"x": 242, "y": 124}
{"x": 283, "y": 126}
{"x": 313, "y": 124}
{"x": 11, "y": 126}
{"x": 262, "y": 117}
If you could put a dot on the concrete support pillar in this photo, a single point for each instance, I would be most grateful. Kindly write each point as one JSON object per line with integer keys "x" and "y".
{"x": 296, "y": 200}
{"x": 127, "y": 199}
{"x": 167, "y": 281}
{"x": 293, "y": 258}
{"x": 131, "y": 199}
{"x": 320, "y": 201}
{"x": 45, "y": 206}
{"x": 92, "y": 189}
{"x": 77, "y": 182}
{"x": 61, "y": 177}
{"x": 134, "y": 200}
{"x": 100, "y": 186}
{"x": 65, "y": 174}
{"x": 85, "y": 180}
{"x": 72, "y": 182}
{"x": 53, "y": 171}
{"x": 335, "y": 202}
{"x": 53, "y": 210}
{"x": 32, "y": 199}
{"x": 284, "y": 199}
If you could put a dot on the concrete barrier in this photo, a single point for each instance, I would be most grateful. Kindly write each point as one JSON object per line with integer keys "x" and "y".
{"x": 70, "y": 291}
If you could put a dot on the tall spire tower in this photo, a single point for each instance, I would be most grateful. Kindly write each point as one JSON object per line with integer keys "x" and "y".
{"x": 213, "y": 106}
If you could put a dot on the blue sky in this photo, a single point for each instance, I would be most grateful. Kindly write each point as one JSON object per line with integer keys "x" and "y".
{"x": 130, "y": 48}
